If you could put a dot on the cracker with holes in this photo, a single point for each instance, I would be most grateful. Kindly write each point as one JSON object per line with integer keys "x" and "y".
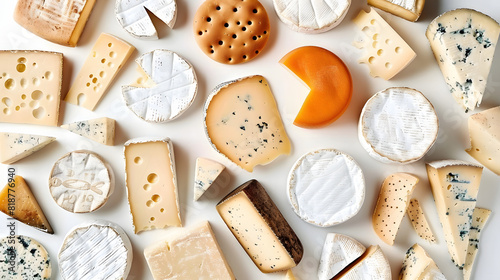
{"x": 231, "y": 31}
{"x": 30, "y": 87}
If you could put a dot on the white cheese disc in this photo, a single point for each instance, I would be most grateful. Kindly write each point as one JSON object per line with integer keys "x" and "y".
{"x": 31, "y": 260}
{"x": 311, "y": 16}
{"x": 95, "y": 250}
{"x": 398, "y": 125}
{"x": 167, "y": 89}
{"x": 326, "y": 187}
{"x": 338, "y": 252}
{"x": 81, "y": 182}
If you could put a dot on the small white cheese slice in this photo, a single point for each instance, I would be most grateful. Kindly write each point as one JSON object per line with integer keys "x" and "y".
{"x": 207, "y": 171}
{"x": 326, "y": 187}
{"x": 16, "y": 146}
{"x": 338, "y": 252}
{"x": 419, "y": 222}
{"x": 372, "y": 265}
{"x": 101, "y": 130}
{"x": 31, "y": 260}
{"x": 407, "y": 9}
{"x": 418, "y": 265}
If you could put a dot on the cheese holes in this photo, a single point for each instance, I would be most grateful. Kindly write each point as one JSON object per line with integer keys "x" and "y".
{"x": 218, "y": 8}
{"x": 149, "y": 203}
{"x": 110, "y": 65}
{"x": 152, "y": 178}
{"x": 235, "y": 10}
{"x": 209, "y": 19}
{"x": 226, "y": 25}
{"x": 34, "y": 104}
{"x": 397, "y": 49}
{"x": 6, "y": 111}
{"x": 371, "y": 59}
{"x": 10, "y": 84}
{"x": 138, "y": 160}
{"x": 21, "y": 68}
{"x": 36, "y": 81}
{"x": 24, "y": 83}
{"x": 155, "y": 198}
{"x": 388, "y": 65}
{"x": 102, "y": 74}
{"x": 112, "y": 54}
{"x": 39, "y": 113}
{"x": 200, "y": 33}
{"x": 254, "y": 11}
{"x": 36, "y": 95}
{"x": 375, "y": 37}
{"x": 23, "y": 97}
{"x": 103, "y": 60}
{"x": 6, "y": 101}
{"x": 48, "y": 97}
{"x": 372, "y": 21}
{"x": 81, "y": 99}
{"x": 152, "y": 219}
{"x": 380, "y": 52}
{"x": 162, "y": 210}
{"x": 146, "y": 187}
{"x": 388, "y": 41}
{"x": 21, "y": 60}
{"x": 110, "y": 45}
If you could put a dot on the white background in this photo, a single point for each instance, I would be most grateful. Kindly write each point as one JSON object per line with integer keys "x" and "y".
{"x": 190, "y": 142}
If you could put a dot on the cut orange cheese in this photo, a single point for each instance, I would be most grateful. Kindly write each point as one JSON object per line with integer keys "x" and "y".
{"x": 329, "y": 80}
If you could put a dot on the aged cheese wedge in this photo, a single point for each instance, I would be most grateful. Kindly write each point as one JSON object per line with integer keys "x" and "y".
{"x": 407, "y": 9}
{"x": 479, "y": 218}
{"x": 105, "y": 60}
{"x": 61, "y": 22}
{"x": 32, "y": 81}
{"x": 249, "y": 132}
{"x": 418, "y": 265}
{"x": 133, "y": 16}
{"x": 338, "y": 252}
{"x": 484, "y": 133}
{"x": 455, "y": 185}
{"x": 207, "y": 171}
{"x": 101, "y": 130}
{"x": 193, "y": 255}
{"x": 260, "y": 228}
{"x": 329, "y": 80}
{"x": 463, "y": 42}
{"x": 151, "y": 183}
{"x": 31, "y": 260}
{"x": 26, "y": 206}
{"x": 95, "y": 250}
{"x": 166, "y": 90}
{"x": 16, "y": 146}
{"x": 419, "y": 222}
{"x": 371, "y": 265}
{"x": 391, "y": 205}
{"x": 398, "y": 125}
{"x": 311, "y": 16}
{"x": 386, "y": 53}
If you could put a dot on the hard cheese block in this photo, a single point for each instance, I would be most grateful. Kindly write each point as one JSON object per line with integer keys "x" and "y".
{"x": 243, "y": 123}
{"x": 26, "y": 209}
{"x": 151, "y": 183}
{"x": 101, "y": 130}
{"x": 418, "y": 265}
{"x": 419, "y": 222}
{"x": 61, "y": 22}
{"x": 31, "y": 260}
{"x": 260, "y": 228}
{"x": 207, "y": 171}
{"x": 391, "y": 206}
{"x": 386, "y": 53}
{"x": 484, "y": 133}
{"x": 479, "y": 219}
{"x": 455, "y": 185}
{"x": 407, "y": 9}
{"x": 192, "y": 255}
{"x": 16, "y": 146}
{"x": 105, "y": 60}
{"x": 31, "y": 90}
{"x": 463, "y": 42}
{"x": 371, "y": 265}
{"x": 338, "y": 252}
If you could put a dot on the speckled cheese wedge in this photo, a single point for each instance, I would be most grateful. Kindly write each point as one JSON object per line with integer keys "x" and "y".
{"x": 31, "y": 260}
{"x": 101, "y": 130}
{"x": 419, "y": 222}
{"x": 418, "y": 265}
{"x": 16, "y": 146}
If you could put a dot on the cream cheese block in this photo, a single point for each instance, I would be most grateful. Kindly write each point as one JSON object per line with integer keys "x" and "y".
{"x": 338, "y": 252}
{"x": 167, "y": 88}
{"x": 207, "y": 171}
{"x": 95, "y": 250}
{"x": 81, "y": 182}
{"x": 407, "y": 9}
{"x": 398, "y": 125}
{"x": 418, "y": 265}
{"x": 479, "y": 218}
{"x": 372, "y": 265}
{"x": 311, "y": 16}
{"x": 30, "y": 259}
{"x": 101, "y": 130}
{"x": 16, "y": 146}
{"x": 463, "y": 42}
{"x": 133, "y": 17}
{"x": 326, "y": 187}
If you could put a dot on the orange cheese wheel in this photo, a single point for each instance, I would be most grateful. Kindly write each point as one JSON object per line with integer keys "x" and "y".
{"x": 329, "y": 80}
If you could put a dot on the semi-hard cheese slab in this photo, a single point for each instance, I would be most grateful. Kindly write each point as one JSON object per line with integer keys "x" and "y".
{"x": 479, "y": 219}
{"x": 463, "y": 42}
{"x": 31, "y": 90}
{"x": 101, "y": 130}
{"x": 193, "y": 254}
{"x": 260, "y": 228}
{"x": 61, "y": 22}
{"x": 16, "y": 146}
{"x": 151, "y": 183}
{"x": 418, "y": 265}
{"x": 407, "y": 9}
{"x": 373, "y": 264}
{"x": 206, "y": 172}
{"x": 455, "y": 186}
{"x": 31, "y": 260}
{"x": 339, "y": 251}
{"x": 418, "y": 221}
{"x": 249, "y": 132}
{"x": 95, "y": 249}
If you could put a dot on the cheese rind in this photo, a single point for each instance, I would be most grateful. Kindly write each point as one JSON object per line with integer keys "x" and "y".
{"x": 419, "y": 222}
{"x": 207, "y": 171}
{"x": 193, "y": 255}
{"x": 371, "y": 265}
{"x": 31, "y": 260}
{"x": 101, "y": 130}
{"x": 463, "y": 42}
{"x": 479, "y": 219}
{"x": 16, "y": 146}
{"x": 407, "y": 9}
{"x": 260, "y": 228}
{"x": 107, "y": 57}
{"x": 338, "y": 252}
{"x": 418, "y": 265}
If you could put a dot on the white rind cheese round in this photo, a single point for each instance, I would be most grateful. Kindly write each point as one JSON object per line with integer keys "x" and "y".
{"x": 95, "y": 250}
{"x": 167, "y": 89}
{"x": 311, "y": 16}
{"x": 338, "y": 252}
{"x": 326, "y": 187}
{"x": 398, "y": 125}
{"x": 31, "y": 260}
{"x": 81, "y": 182}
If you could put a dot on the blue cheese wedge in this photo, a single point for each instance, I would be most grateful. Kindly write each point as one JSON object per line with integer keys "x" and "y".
{"x": 16, "y": 146}
{"x": 418, "y": 265}
{"x": 31, "y": 260}
{"x": 101, "y": 130}
{"x": 207, "y": 171}
{"x": 479, "y": 219}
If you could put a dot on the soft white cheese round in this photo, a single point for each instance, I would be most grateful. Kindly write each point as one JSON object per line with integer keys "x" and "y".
{"x": 30, "y": 259}
{"x": 326, "y": 187}
{"x": 339, "y": 251}
{"x": 398, "y": 125}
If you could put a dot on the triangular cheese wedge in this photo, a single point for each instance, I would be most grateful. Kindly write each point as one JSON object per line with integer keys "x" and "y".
{"x": 101, "y": 130}
{"x": 338, "y": 252}
{"x": 207, "y": 172}
{"x": 479, "y": 219}
{"x": 27, "y": 209}
{"x": 418, "y": 265}
{"x": 15, "y": 146}
{"x": 371, "y": 265}
{"x": 419, "y": 222}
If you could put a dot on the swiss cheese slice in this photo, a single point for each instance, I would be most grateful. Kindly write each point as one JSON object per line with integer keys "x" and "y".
{"x": 371, "y": 265}
{"x": 16, "y": 146}
{"x": 207, "y": 171}
{"x": 101, "y": 130}
{"x": 243, "y": 123}
{"x": 479, "y": 219}
{"x": 418, "y": 265}
{"x": 407, "y": 9}
{"x": 329, "y": 80}
{"x": 339, "y": 251}
{"x": 419, "y": 222}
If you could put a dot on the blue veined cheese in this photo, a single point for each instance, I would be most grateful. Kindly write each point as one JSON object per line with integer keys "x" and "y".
{"x": 101, "y": 130}
{"x": 479, "y": 219}
{"x": 418, "y": 265}
{"x": 407, "y": 9}
{"x": 455, "y": 185}
{"x": 207, "y": 171}
{"x": 338, "y": 252}
{"x": 371, "y": 265}
{"x": 463, "y": 42}
{"x": 16, "y": 146}
{"x": 29, "y": 258}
